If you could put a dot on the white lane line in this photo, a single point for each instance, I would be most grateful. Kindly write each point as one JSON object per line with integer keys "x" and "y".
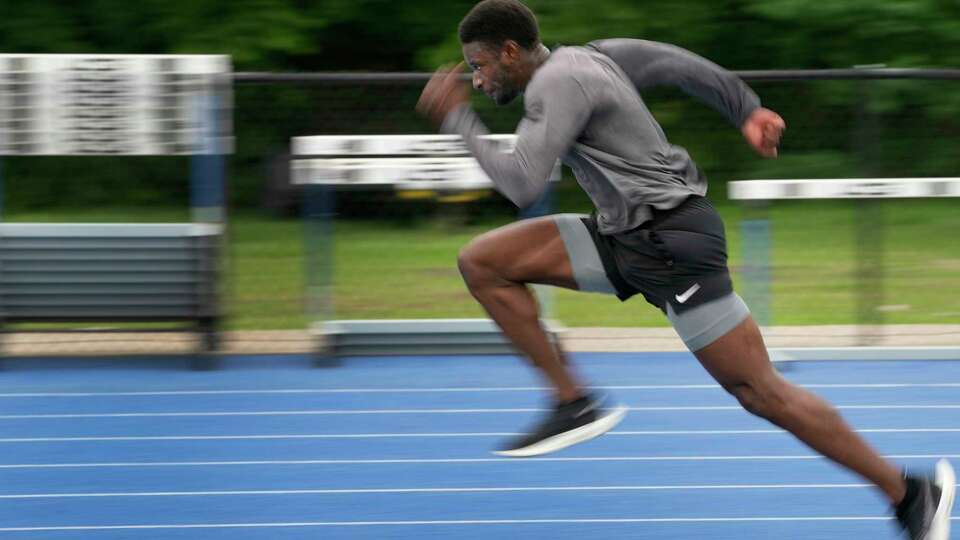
{"x": 428, "y": 435}
{"x": 446, "y": 390}
{"x": 317, "y": 412}
{"x": 699, "y": 487}
{"x": 335, "y": 412}
{"x": 435, "y": 461}
{"x": 452, "y": 522}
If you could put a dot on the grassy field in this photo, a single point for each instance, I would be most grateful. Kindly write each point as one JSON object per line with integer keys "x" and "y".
{"x": 391, "y": 269}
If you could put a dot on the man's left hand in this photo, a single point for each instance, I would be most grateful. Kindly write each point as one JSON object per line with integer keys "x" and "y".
{"x": 444, "y": 93}
{"x": 762, "y": 130}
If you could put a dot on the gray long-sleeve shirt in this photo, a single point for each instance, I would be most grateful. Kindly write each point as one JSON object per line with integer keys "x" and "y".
{"x": 583, "y": 106}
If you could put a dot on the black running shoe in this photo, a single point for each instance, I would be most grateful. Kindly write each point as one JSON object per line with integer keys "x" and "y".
{"x": 568, "y": 424}
{"x": 924, "y": 512}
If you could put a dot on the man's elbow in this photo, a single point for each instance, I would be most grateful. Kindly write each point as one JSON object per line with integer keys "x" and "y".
{"x": 528, "y": 197}
{"x": 523, "y": 201}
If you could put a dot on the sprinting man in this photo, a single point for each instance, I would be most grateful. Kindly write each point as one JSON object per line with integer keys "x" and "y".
{"x": 653, "y": 233}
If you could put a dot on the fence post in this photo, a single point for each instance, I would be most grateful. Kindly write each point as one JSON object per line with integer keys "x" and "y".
{"x": 869, "y": 226}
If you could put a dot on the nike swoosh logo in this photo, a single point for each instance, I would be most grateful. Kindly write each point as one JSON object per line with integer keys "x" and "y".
{"x": 590, "y": 406}
{"x": 686, "y": 295}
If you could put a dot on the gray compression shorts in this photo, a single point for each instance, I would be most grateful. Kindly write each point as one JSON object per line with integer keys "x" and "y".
{"x": 697, "y": 327}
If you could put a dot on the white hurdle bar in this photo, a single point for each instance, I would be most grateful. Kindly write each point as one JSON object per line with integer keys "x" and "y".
{"x": 403, "y": 162}
{"x": 866, "y": 188}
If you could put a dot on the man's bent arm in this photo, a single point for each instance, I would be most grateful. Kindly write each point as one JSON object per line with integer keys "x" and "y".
{"x": 649, "y": 63}
{"x": 553, "y": 118}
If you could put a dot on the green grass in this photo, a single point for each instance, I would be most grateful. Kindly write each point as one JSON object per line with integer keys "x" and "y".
{"x": 401, "y": 270}
{"x": 816, "y": 256}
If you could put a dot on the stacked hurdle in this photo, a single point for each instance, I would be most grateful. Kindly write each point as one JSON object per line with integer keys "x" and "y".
{"x": 118, "y": 105}
{"x": 439, "y": 164}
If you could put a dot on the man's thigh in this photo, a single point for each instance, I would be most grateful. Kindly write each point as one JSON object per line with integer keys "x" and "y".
{"x": 553, "y": 250}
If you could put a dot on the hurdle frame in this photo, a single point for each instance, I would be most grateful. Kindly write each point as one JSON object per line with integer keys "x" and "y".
{"x": 326, "y": 164}
{"x": 120, "y": 105}
{"x": 759, "y": 194}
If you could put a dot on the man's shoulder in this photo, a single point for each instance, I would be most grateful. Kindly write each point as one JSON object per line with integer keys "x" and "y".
{"x": 572, "y": 56}
{"x": 613, "y": 45}
{"x": 566, "y": 65}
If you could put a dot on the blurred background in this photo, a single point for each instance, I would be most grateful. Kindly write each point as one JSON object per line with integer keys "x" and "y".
{"x": 394, "y": 257}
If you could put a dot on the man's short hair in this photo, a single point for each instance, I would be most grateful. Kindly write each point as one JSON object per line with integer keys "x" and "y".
{"x": 495, "y": 21}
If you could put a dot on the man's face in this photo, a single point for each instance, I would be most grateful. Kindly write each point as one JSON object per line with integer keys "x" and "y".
{"x": 492, "y": 73}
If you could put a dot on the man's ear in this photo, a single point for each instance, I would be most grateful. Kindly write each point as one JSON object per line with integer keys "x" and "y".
{"x": 509, "y": 52}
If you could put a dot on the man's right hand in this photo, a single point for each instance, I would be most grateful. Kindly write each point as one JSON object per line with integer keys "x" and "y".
{"x": 444, "y": 93}
{"x": 762, "y": 130}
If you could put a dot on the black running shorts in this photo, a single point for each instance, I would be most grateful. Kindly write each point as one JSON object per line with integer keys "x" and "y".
{"x": 678, "y": 257}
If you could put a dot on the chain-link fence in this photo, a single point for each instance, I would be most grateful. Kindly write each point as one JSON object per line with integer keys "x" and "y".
{"x": 395, "y": 257}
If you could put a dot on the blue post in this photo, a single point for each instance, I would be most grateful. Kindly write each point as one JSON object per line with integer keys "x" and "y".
{"x": 756, "y": 268}
{"x": 319, "y": 204}
{"x": 207, "y": 175}
{"x": 318, "y": 209}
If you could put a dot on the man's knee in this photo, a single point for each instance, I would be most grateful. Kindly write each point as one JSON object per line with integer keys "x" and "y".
{"x": 467, "y": 264}
{"x": 474, "y": 266}
{"x": 766, "y": 397}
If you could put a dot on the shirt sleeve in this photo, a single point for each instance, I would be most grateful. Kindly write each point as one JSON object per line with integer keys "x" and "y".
{"x": 649, "y": 63}
{"x": 556, "y": 110}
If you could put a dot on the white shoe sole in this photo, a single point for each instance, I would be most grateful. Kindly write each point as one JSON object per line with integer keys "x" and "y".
{"x": 946, "y": 479}
{"x": 558, "y": 442}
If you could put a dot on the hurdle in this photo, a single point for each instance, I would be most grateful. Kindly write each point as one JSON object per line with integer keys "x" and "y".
{"x": 758, "y": 195}
{"x": 326, "y": 165}
{"x": 118, "y": 105}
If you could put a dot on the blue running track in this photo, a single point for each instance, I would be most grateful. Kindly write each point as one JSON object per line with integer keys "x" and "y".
{"x": 269, "y": 447}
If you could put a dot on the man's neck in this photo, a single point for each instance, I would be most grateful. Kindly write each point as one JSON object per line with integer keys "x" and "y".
{"x": 540, "y": 55}
{"x": 536, "y": 59}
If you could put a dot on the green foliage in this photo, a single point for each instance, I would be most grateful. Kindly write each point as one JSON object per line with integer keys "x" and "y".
{"x": 898, "y": 33}
{"x": 255, "y": 32}
{"x": 388, "y": 35}
{"x": 834, "y": 128}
